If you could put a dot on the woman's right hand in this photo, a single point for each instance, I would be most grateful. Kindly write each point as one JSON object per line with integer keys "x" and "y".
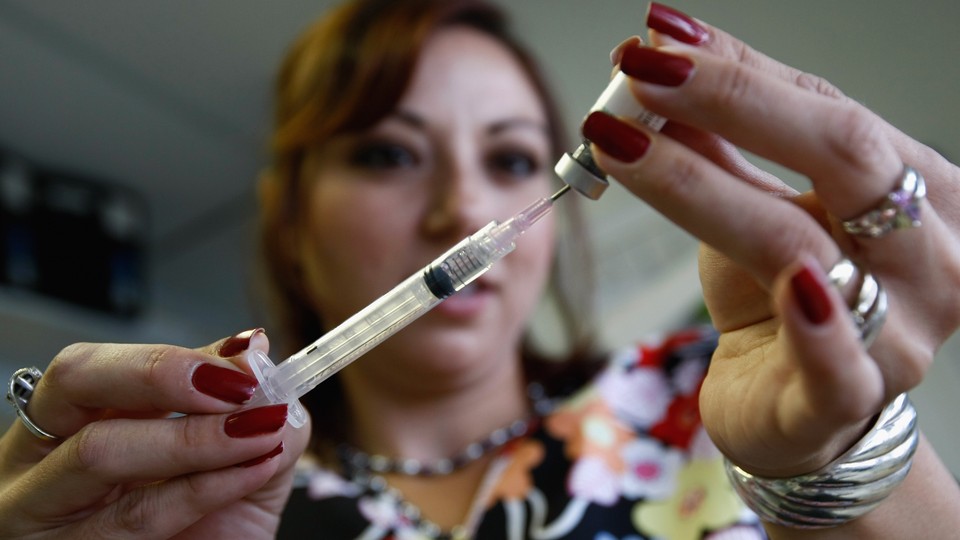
{"x": 125, "y": 468}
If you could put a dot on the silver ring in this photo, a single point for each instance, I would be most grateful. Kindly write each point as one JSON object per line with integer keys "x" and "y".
{"x": 900, "y": 209}
{"x": 869, "y": 310}
{"x": 22, "y": 384}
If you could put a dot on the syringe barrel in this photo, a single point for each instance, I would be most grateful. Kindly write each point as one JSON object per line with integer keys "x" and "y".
{"x": 461, "y": 264}
{"x": 467, "y": 260}
{"x": 361, "y": 332}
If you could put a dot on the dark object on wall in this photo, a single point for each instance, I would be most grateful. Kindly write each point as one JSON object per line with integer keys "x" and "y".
{"x": 71, "y": 238}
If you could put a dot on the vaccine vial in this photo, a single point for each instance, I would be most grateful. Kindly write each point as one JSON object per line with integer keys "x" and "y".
{"x": 577, "y": 168}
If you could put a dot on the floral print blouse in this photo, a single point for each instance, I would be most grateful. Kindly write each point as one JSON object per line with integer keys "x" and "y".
{"x": 623, "y": 458}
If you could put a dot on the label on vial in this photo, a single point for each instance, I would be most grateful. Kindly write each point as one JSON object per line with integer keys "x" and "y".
{"x": 617, "y": 99}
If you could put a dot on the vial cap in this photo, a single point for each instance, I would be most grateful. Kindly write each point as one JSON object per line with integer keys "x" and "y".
{"x": 580, "y": 176}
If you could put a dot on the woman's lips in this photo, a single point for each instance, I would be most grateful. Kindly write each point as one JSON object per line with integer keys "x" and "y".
{"x": 467, "y": 302}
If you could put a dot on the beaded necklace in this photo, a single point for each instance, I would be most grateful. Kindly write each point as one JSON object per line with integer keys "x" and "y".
{"x": 358, "y": 460}
{"x": 365, "y": 469}
{"x": 354, "y": 459}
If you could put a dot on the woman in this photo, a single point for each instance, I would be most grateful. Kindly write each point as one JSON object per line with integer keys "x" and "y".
{"x": 433, "y": 125}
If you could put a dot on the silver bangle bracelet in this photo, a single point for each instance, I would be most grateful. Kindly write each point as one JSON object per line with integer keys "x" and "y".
{"x": 845, "y": 489}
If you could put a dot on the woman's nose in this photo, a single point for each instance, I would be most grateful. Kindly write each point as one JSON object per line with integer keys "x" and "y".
{"x": 456, "y": 206}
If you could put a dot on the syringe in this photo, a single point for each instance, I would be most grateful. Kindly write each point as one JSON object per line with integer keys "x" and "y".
{"x": 287, "y": 381}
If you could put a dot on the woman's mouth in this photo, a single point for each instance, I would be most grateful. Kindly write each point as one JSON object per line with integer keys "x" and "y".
{"x": 467, "y": 302}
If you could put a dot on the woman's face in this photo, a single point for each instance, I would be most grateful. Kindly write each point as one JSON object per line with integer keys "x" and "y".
{"x": 467, "y": 144}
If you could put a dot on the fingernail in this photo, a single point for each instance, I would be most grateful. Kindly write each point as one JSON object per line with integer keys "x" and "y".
{"x": 223, "y": 383}
{"x": 676, "y": 24}
{"x": 653, "y": 66}
{"x": 235, "y": 345}
{"x": 617, "y": 51}
{"x": 810, "y": 292}
{"x": 258, "y": 460}
{"x": 253, "y": 422}
{"x": 620, "y": 140}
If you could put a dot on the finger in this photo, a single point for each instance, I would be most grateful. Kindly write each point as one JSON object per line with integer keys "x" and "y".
{"x": 840, "y": 382}
{"x": 671, "y": 27}
{"x": 838, "y": 388}
{"x": 841, "y": 148}
{"x": 747, "y": 303}
{"x": 726, "y": 156}
{"x": 86, "y": 380}
{"x": 908, "y": 258}
{"x": 190, "y": 498}
{"x": 847, "y": 155}
{"x": 813, "y": 386}
{"x": 708, "y": 144}
{"x": 838, "y": 146}
{"x": 164, "y": 509}
{"x": 762, "y": 233}
{"x": 236, "y": 345}
{"x": 840, "y": 375}
{"x": 88, "y": 467}
{"x": 617, "y": 51}
{"x": 826, "y": 391}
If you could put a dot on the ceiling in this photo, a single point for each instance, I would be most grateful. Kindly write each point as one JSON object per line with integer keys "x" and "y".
{"x": 171, "y": 99}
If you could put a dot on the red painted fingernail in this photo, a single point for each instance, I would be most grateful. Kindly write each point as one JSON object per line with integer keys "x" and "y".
{"x": 235, "y": 345}
{"x": 617, "y": 52}
{"x": 224, "y": 383}
{"x": 258, "y": 460}
{"x": 620, "y": 140}
{"x": 253, "y": 422}
{"x": 676, "y": 24}
{"x": 652, "y": 66}
{"x": 810, "y": 292}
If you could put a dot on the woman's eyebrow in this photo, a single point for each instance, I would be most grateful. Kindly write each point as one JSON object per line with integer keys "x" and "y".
{"x": 517, "y": 123}
{"x": 409, "y": 118}
{"x": 416, "y": 121}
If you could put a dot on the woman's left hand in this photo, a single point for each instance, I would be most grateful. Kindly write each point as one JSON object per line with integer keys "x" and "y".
{"x": 791, "y": 385}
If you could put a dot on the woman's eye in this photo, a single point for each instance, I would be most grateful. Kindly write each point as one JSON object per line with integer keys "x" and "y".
{"x": 383, "y": 156}
{"x": 516, "y": 164}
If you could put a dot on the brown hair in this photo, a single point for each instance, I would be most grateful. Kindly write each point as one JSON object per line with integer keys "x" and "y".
{"x": 344, "y": 74}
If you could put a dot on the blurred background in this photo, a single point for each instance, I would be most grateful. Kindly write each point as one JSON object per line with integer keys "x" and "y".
{"x": 132, "y": 133}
